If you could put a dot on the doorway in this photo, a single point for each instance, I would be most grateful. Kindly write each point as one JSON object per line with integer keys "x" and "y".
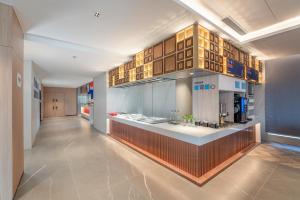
{"x": 54, "y": 105}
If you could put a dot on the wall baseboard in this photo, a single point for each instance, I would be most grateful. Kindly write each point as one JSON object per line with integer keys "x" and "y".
{"x": 275, "y": 137}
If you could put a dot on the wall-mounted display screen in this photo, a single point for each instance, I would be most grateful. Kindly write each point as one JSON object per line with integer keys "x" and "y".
{"x": 235, "y": 68}
{"x": 252, "y": 74}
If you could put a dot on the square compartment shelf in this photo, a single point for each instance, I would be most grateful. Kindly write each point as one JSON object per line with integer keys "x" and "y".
{"x": 203, "y": 32}
{"x": 180, "y": 36}
{"x": 139, "y": 59}
{"x": 189, "y": 31}
{"x": 201, "y": 63}
{"x": 201, "y": 52}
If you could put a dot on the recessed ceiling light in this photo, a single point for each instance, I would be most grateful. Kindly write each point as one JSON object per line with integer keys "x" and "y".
{"x": 97, "y": 14}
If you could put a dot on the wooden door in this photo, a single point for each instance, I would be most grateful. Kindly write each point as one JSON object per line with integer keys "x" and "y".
{"x": 49, "y": 105}
{"x": 54, "y": 105}
{"x": 59, "y": 105}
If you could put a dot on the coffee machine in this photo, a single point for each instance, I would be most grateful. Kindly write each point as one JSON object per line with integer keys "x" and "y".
{"x": 240, "y": 109}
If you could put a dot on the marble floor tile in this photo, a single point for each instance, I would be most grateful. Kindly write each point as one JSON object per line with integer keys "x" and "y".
{"x": 71, "y": 160}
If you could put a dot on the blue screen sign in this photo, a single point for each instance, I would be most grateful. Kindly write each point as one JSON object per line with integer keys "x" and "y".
{"x": 204, "y": 87}
{"x": 235, "y": 68}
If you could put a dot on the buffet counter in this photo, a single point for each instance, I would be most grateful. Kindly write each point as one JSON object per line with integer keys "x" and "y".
{"x": 197, "y": 153}
{"x": 197, "y": 135}
{"x": 87, "y": 112}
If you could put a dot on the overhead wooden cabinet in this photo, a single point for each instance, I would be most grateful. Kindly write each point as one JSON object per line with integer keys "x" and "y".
{"x": 148, "y": 55}
{"x": 158, "y": 51}
{"x": 158, "y": 67}
{"x": 194, "y": 47}
{"x": 170, "y": 63}
{"x": 170, "y": 45}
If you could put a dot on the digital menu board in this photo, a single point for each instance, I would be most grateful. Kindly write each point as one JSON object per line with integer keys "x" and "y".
{"x": 235, "y": 68}
{"x": 252, "y": 74}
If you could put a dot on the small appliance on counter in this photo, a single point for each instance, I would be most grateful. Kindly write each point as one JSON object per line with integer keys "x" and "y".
{"x": 240, "y": 109}
{"x": 223, "y": 114}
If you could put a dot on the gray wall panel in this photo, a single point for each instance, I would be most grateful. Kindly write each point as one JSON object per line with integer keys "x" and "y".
{"x": 153, "y": 99}
{"x": 283, "y": 96}
{"x": 164, "y": 98}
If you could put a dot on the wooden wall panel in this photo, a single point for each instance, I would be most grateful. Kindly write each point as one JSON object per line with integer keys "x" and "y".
{"x": 17, "y": 37}
{"x": 180, "y": 65}
{"x": 189, "y": 42}
{"x": 170, "y": 63}
{"x": 197, "y": 163}
{"x": 170, "y": 45}
{"x": 189, "y": 63}
{"x": 180, "y": 46}
{"x": 11, "y": 54}
{"x": 189, "y": 53}
{"x": 158, "y": 67}
{"x": 158, "y": 51}
{"x": 17, "y": 122}
{"x": 5, "y": 25}
{"x": 5, "y": 119}
{"x": 70, "y": 101}
{"x": 148, "y": 55}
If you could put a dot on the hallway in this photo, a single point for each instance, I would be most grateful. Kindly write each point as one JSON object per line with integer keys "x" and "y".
{"x": 71, "y": 160}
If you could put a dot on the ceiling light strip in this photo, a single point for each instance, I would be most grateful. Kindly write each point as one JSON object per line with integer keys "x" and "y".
{"x": 209, "y": 16}
{"x": 274, "y": 29}
{"x": 215, "y": 20}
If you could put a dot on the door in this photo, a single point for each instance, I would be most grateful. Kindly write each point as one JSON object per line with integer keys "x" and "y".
{"x": 59, "y": 105}
{"x": 49, "y": 105}
{"x": 54, "y": 105}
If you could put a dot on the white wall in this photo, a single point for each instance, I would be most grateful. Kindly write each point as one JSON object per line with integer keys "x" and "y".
{"x": 206, "y": 101}
{"x": 31, "y": 104}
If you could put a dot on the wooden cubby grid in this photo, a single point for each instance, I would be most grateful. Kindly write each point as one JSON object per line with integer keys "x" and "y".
{"x": 195, "y": 47}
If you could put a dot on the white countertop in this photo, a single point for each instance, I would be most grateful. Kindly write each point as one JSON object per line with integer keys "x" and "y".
{"x": 191, "y": 134}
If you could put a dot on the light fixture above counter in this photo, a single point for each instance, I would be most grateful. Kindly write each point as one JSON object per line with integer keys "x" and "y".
{"x": 193, "y": 48}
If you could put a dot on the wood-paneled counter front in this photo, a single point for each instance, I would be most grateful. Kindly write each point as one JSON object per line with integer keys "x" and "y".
{"x": 197, "y": 162}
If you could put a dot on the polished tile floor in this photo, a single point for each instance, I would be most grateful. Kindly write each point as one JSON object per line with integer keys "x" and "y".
{"x": 72, "y": 161}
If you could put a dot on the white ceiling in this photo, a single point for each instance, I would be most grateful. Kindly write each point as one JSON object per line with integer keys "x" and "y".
{"x": 252, "y": 15}
{"x": 69, "y": 27}
{"x": 57, "y": 30}
{"x": 281, "y": 45}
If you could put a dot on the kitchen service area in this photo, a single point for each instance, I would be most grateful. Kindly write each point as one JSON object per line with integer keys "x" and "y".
{"x": 85, "y": 101}
{"x": 195, "y": 120}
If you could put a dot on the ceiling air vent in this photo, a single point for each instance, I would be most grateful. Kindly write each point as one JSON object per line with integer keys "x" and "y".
{"x": 234, "y": 25}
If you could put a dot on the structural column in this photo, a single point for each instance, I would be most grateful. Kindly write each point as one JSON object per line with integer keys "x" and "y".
{"x": 11, "y": 102}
